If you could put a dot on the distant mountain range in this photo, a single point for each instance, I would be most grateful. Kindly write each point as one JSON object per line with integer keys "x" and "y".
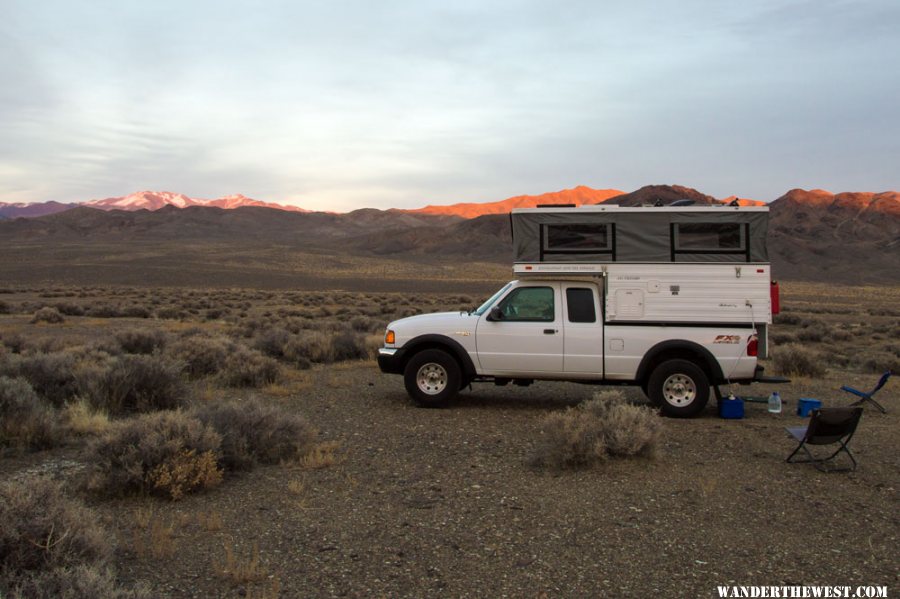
{"x": 578, "y": 196}
{"x": 141, "y": 200}
{"x": 813, "y": 235}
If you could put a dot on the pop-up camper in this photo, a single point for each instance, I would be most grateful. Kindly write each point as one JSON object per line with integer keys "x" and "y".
{"x": 674, "y": 299}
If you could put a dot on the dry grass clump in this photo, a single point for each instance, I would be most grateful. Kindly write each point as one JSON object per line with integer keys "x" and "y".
{"x": 80, "y": 418}
{"x": 603, "y": 427}
{"x": 795, "y": 360}
{"x": 77, "y": 582}
{"x": 138, "y": 383}
{"x": 47, "y": 314}
{"x": 248, "y": 368}
{"x": 254, "y": 432}
{"x": 141, "y": 341}
{"x": 26, "y": 421}
{"x": 168, "y": 453}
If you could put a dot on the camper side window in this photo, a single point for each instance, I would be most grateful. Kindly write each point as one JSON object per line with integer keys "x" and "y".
{"x": 594, "y": 238}
{"x": 710, "y": 238}
{"x": 529, "y": 304}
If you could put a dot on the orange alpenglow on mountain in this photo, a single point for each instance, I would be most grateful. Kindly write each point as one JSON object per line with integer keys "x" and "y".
{"x": 579, "y": 196}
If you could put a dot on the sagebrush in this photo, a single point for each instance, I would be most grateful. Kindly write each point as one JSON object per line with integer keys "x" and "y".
{"x": 593, "y": 431}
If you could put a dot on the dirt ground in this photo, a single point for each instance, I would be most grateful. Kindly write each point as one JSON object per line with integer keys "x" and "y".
{"x": 427, "y": 503}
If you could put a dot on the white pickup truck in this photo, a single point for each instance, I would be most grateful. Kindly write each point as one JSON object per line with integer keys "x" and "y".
{"x": 672, "y": 300}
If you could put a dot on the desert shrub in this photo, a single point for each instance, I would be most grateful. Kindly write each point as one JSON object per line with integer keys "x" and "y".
{"x": 295, "y": 353}
{"x": 26, "y": 421}
{"x": 364, "y": 324}
{"x": 41, "y": 529}
{"x": 138, "y": 341}
{"x": 101, "y": 310}
{"x": 271, "y": 342}
{"x": 171, "y": 313}
{"x": 14, "y": 342}
{"x": 880, "y": 362}
{"x": 5, "y": 307}
{"x": 135, "y": 311}
{"x": 782, "y": 338}
{"x": 796, "y": 360}
{"x": 812, "y": 334}
{"x": 785, "y": 318}
{"x": 628, "y": 430}
{"x": 248, "y": 368}
{"x": 167, "y": 453}
{"x": 201, "y": 356}
{"x": 77, "y": 582}
{"x": 603, "y": 427}
{"x": 348, "y": 345}
{"x": 137, "y": 383}
{"x": 841, "y": 335}
{"x": 254, "y": 432}
{"x": 48, "y": 315}
{"x": 51, "y": 375}
{"x": 69, "y": 309}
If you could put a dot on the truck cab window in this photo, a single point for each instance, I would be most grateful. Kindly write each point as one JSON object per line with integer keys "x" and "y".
{"x": 580, "y": 304}
{"x": 529, "y": 304}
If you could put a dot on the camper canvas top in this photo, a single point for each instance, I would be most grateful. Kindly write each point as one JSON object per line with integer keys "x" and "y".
{"x": 606, "y": 234}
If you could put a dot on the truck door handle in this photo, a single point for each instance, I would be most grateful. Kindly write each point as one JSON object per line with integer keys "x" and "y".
{"x": 549, "y": 331}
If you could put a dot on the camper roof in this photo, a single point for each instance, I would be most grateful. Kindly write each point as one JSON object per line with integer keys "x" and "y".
{"x": 591, "y": 208}
{"x": 610, "y": 233}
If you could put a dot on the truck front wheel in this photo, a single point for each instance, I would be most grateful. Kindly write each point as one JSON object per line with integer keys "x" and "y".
{"x": 432, "y": 378}
{"x": 679, "y": 387}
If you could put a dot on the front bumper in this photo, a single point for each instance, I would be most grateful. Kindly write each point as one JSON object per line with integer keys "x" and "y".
{"x": 391, "y": 360}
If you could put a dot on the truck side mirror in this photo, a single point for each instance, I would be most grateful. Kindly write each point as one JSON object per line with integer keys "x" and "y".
{"x": 495, "y": 314}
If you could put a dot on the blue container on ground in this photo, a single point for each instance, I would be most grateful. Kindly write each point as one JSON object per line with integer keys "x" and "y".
{"x": 805, "y": 406}
{"x": 731, "y": 408}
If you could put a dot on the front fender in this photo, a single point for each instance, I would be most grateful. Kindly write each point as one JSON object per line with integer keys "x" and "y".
{"x": 435, "y": 341}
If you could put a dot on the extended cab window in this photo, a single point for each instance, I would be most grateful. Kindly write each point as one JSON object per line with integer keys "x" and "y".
{"x": 529, "y": 304}
{"x": 580, "y": 304}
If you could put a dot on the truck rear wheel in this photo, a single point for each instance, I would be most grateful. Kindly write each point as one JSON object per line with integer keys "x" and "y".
{"x": 679, "y": 387}
{"x": 432, "y": 378}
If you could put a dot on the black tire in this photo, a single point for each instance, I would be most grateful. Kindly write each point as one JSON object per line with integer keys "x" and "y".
{"x": 432, "y": 378}
{"x": 679, "y": 387}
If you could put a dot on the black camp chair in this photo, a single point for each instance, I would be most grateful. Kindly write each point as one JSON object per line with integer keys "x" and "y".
{"x": 826, "y": 427}
{"x": 868, "y": 396}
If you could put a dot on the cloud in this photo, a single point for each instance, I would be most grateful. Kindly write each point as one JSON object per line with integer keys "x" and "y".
{"x": 350, "y": 103}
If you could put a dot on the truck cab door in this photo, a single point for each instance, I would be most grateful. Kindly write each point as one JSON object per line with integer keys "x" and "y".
{"x": 583, "y": 345}
{"x": 526, "y": 336}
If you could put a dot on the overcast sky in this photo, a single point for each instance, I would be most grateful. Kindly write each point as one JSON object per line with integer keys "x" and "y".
{"x": 343, "y": 104}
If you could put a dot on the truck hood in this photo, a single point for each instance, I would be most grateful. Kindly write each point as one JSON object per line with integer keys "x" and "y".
{"x": 435, "y": 318}
{"x": 440, "y": 323}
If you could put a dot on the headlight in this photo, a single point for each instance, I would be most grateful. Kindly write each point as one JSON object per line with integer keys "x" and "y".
{"x": 389, "y": 337}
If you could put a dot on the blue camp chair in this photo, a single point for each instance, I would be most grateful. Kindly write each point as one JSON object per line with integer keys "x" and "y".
{"x": 868, "y": 396}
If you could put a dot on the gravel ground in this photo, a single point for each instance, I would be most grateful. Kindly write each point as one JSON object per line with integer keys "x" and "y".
{"x": 442, "y": 503}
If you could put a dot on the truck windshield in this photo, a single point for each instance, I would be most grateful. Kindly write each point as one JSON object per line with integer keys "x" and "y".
{"x": 486, "y": 305}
